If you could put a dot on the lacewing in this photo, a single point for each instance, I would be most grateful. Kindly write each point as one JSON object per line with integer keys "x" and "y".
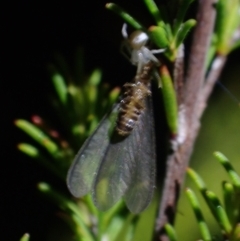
{"x": 118, "y": 159}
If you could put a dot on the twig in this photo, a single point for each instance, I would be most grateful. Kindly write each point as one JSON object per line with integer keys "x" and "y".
{"x": 178, "y": 161}
{"x": 211, "y": 80}
{"x": 178, "y": 74}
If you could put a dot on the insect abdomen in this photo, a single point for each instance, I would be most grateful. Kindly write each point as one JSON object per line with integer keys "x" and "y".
{"x": 133, "y": 102}
{"x": 131, "y": 107}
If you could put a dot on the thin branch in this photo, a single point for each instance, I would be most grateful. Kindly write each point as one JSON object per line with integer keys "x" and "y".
{"x": 179, "y": 159}
{"x": 211, "y": 80}
{"x": 196, "y": 63}
{"x": 178, "y": 74}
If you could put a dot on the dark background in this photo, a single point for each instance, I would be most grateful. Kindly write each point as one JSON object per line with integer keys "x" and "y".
{"x": 31, "y": 33}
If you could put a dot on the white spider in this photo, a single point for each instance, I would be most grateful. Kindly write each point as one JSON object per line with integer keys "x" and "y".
{"x": 137, "y": 52}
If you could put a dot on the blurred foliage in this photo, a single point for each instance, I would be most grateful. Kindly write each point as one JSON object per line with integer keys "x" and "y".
{"x": 25, "y": 237}
{"x": 81, "y": 102}
{"x": 226, "y": 34}
{"x": 220, "y": 130}
{"x": 226, "y": 212}
{"x": 227, "y": 215}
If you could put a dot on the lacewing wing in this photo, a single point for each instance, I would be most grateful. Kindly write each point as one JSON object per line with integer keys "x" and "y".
{"x": 112, "y": 166}
{"x": 118, "y": 159}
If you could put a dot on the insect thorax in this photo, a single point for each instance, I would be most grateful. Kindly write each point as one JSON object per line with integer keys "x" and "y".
{"x": 133, "y": 102}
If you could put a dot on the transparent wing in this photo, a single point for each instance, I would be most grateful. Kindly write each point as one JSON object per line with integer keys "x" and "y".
{"x": 84, "y": 168}
{"x": 140, "y": 191}
{"x": 128, "y": 167}
{"x": 115, "y": 172}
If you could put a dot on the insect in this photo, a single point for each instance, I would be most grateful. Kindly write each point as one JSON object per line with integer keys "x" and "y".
{"x": 135, "y": 45}
{"x": 118, "y": 159}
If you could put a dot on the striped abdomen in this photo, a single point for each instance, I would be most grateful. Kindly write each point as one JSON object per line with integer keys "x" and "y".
{"x": 133, "y": 102}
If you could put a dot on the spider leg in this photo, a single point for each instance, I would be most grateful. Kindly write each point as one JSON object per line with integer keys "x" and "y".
{"x": 141, "y": 62}
{"x": 124, "y": 31}
{"x": 157, "y": 77}
{"x": 148, "y": 56}
{"x": 157, "y": 51}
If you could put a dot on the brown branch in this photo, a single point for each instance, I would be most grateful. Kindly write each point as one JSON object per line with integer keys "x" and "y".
{"x": 178, "y": 74}
{"x": 189, "y": 124}
{"x": 211, "y": 80}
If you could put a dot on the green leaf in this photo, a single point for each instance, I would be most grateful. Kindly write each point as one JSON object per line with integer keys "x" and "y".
{"x": 92, "y": 93}
{"x": 227, "y": 22}
{"x": 124, "y": 15}
{"x": 231, "y": 202}
{"x": 126, "y": 227}
{"x": 114, "y": 95}
{"x": 236, "y": 233}
{"x": 95, "y": 77}
{"x": 170, "y": 100}
{"x": 220, "y": 212}
{"x": 89, "y": 202}
{"x": 159, "y": 36}
{"x": 38, "y": 135}
{"x": 229, "y": 168}
{"x": 155, "y": 11}
{"x": 33, "y": 152}
{"x": 25, "y": 237}
{"x": 183, "y": 31}
{"x": 77, "y": 101}
{"x": 29, "y": 150}
{"x": 199, "y": 216}
{"x": 109, "y": 215}
{"x": 202, "y": 188}
{"x": 170, "y": 232}
{"x": 60, "y": 87}
{"x": 197, "y": 179}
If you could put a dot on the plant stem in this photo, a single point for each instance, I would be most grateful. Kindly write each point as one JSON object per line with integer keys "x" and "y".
{"x": 194, "y": 80}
